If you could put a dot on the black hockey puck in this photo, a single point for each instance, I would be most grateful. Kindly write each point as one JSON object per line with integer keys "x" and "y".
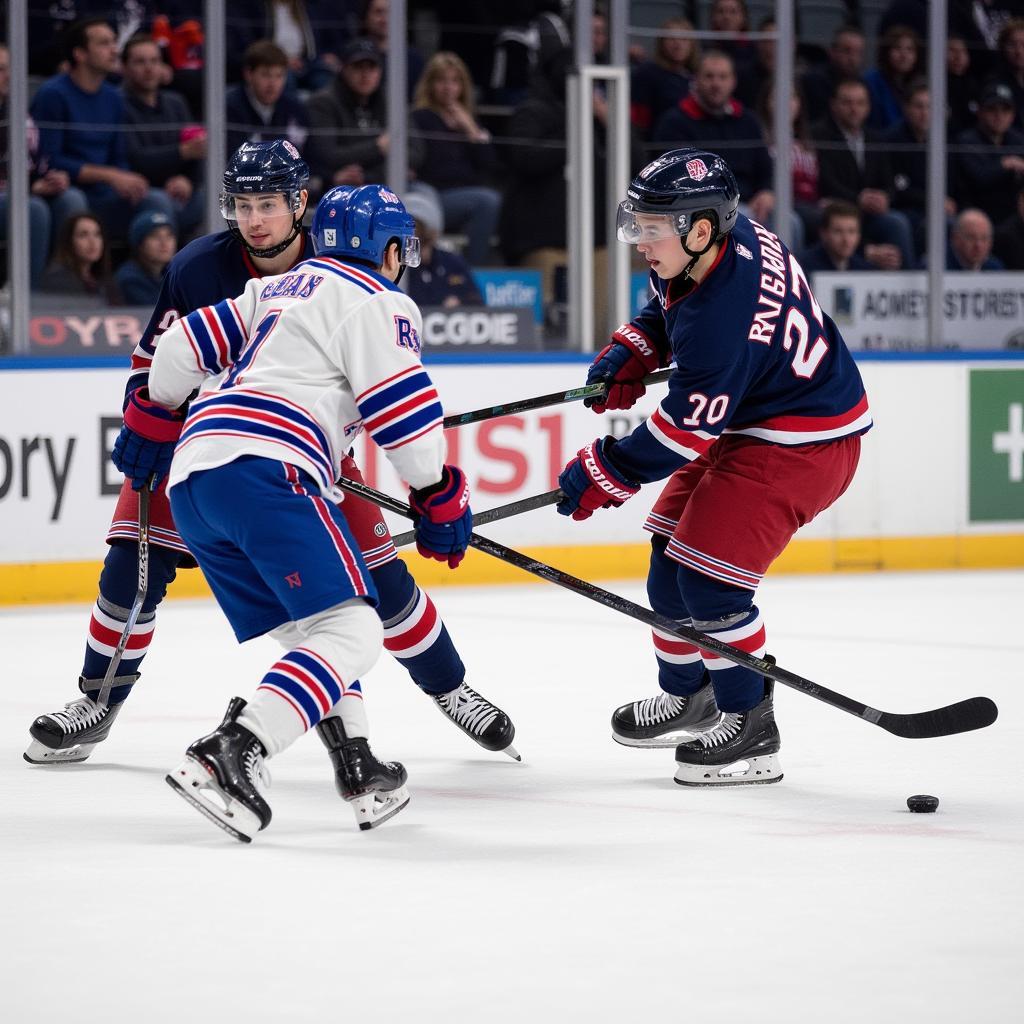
{"x": 922, "y": 804}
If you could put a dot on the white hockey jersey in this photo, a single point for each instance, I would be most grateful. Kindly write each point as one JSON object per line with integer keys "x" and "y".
{"x": 293, "y": 369}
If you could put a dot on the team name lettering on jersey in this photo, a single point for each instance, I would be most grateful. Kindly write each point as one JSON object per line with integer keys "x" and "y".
{"x": 408, "y": 336}
{"x": 292, "y": 286}
{"x": 773, "y": 287}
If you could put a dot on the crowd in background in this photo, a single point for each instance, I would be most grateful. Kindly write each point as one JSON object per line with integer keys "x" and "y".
{"x": 117, "y": 134}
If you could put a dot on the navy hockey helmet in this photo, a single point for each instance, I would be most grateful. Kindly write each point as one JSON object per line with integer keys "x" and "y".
{"x": 360, "y": 223}
{"x": 265, "y": 168}
{"x": 682, "y": 186}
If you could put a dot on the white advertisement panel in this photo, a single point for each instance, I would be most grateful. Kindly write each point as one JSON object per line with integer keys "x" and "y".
{"x": 58, "y": 487}
{"x": 890, "y": 311}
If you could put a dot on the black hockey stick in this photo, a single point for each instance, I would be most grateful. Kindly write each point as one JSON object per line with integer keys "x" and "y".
{"x": 140, "y": 595}
{"x": 460, "y": 419}
{"x": 494, "y": 515}
{"x": 964, "y": 716}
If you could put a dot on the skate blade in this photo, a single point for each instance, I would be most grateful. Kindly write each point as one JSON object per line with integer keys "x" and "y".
{"x": 373, "y": 809}
{"x": 191, "y": 781}
{"x": 667, "y": 739}
{"x": 39, "y": 753}
{"x": 753, "y": 771}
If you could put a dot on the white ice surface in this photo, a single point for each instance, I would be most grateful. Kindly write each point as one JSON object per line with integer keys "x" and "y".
{"x": 581, "y": 884}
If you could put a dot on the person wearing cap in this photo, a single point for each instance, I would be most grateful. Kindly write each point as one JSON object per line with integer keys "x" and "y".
{"x": 348, "y": 143}
{"x": 988, "y": 162}
{"x": 153, "y": 243}
{"x": 443, "y": 278}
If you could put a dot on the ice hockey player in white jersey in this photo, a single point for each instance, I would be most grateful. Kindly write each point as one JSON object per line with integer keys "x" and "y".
{"x": 288, "y": 373}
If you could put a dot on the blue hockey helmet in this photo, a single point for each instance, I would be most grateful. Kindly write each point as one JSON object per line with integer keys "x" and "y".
{"x": 674, "y": 192}
{"x": 360, "y": 223}
{"x": 265, "y": 168}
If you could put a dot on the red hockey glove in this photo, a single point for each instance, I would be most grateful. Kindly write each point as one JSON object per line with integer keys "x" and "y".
{"x": 145, "y": 446}
{"x": 590, "y": 482}
{"x": 445, "y": 522}
{"x": 623, "y": 363}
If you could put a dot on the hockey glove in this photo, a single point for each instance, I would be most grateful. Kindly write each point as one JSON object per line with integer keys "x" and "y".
{"x": 445, "y": 520}
{"x": 591, "y": 481}
{"x": 145, "y": 446}
{"x": 623, "y": 364}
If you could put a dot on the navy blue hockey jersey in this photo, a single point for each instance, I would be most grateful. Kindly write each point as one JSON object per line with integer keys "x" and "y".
{"x": 754, "y": 353}
{"x": 207, "y": 271}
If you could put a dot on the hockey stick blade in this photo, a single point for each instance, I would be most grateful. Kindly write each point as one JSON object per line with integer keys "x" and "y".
{"x": 542, "y": 401}
{"x": 965, "y": 716}
{"x": 495, "y": 515}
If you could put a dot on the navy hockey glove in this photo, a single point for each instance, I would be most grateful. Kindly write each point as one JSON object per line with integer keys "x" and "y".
{"x": 445, "y": 520}
{"x": 623, "y": 363}
{"x": 145, "y": 446}
{"x": 590, "y": 481}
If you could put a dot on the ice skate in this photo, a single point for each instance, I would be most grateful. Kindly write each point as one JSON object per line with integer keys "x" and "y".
{"x": 742, "y": 750}
{"x": 664, "y": 720}
{"x": 224, "y": 776}
{"x": 70, "y": 735}
{"x": 374, "y": 789}
{"x": 479, "y": 719}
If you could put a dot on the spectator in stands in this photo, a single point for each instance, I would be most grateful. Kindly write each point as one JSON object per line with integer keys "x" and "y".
{"x": 970, "y": 243}
{"x": 521, "y": 48}
{"x": 49, "y": 23}
{"x": 1010, "y": 65}
{"x": 845, "y": 60}
{"x": 442, "y": 278}
{"x": 81, "y": 262}
{"x": 989, "y": 158}
{"x": 907, "y": 142}
{"x": 804, "y": 162}
{"x": 658, "y": 85}
{"x": 312, "y": 34}
{"x": 962, "y": 87}
{"x": 260, "y": 110}
{"x": 899, "y": 60}
{"x": 50, "y": 199}
{"x": 533, "y": 215}
{"x": 81, "y": 130}
{"x": 153, "y": 245}
{"x": 839, "y": 241}
{"x": 178, "y": 31}
{"x": 732, "y": 16}
{"x": 709, "y": 118}
{"x": 750, "y": 83}
{"x": 162, "y": 143}
{"x": 854, "y": 165}
{"x": 373, "y": 25}
{"x": 1009, "y": 240}
{"x": 458, "y": 155}
{"x": 348, "y": 143}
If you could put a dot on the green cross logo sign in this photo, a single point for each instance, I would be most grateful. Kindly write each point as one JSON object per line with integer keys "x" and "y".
{"x": 996, "y": 445}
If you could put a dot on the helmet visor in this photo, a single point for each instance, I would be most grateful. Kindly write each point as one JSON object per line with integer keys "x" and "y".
{"x": 633, "y": 227}
{"x": 409, "y": 255}
{"x": 241, "y": 205}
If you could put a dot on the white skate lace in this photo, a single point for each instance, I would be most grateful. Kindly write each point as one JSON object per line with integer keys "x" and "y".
{"x": 726, "y": 729}
{"x": 256, "y": 770}
{"x": 655, "y": 710}
{"x": 79, "y": 715}
{"x": 465, "y": 706}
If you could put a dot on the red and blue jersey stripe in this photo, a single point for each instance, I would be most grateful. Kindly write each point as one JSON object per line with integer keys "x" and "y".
{"x": 216, "y": 335}
{"x": 239, "y": 412}
{"x": 401, "y": 408}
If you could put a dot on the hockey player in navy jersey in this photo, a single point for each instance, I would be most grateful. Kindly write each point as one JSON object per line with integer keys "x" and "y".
{"x": 263, "y": 202}
{"x": 760, "y": 431}
{"x": 287, "y": 372}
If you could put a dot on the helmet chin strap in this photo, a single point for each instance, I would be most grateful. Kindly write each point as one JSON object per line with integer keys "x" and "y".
{"x": 684, "y": 274}
{"x": 272, "y": 250}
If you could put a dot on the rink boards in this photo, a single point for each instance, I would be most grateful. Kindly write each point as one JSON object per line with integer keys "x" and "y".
{"x": 941, "y": 483}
